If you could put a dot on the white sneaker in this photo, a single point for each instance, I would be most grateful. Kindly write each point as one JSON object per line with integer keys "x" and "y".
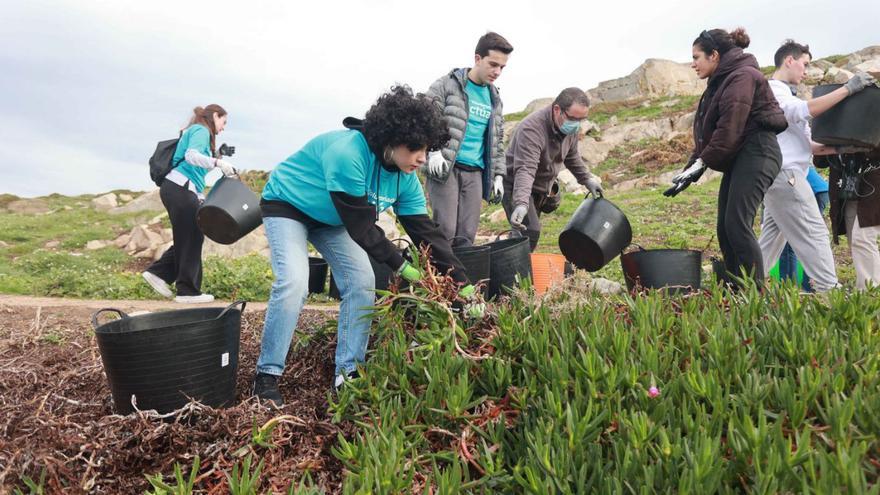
{"x": 199, "y": 299}
{"x": 157, "y": 284}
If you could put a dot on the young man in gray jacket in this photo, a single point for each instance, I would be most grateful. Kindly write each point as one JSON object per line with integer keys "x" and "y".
{"x": 461, "y": 175}
{"x": 542, "y": 143}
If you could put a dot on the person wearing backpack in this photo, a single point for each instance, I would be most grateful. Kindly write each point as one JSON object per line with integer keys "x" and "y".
{"x": 330, "y": 193}
{"x": 181, "y": 192}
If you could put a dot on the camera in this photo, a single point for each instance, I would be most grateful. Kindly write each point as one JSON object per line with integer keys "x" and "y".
{"x": 226, "y": 150}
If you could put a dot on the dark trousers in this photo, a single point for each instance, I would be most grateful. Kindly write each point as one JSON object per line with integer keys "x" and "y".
{"x": 742, "y": 190}
{"x": 182, "y": 262}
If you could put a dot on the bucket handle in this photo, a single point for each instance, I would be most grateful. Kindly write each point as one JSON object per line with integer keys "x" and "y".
{"x": 95, "y": 325}
{"x": 513, "y": 231}
{"x": 236, "y": 303}
{"x": 597, "y": 196}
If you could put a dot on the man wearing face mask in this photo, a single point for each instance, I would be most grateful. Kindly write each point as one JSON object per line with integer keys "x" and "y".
{"x": 461, "y": 174}
{"x": 542, "y": 143}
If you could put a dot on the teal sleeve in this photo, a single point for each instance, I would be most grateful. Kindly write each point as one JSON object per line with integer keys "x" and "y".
{"x": 411, "y": 200}
{"x": 345, "y": 168}
{"x": 200, "y": 140}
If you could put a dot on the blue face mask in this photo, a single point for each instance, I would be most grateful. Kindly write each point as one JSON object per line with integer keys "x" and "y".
{"x": 570, "y": 126}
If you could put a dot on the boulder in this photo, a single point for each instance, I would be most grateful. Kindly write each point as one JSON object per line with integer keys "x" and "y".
{"x": 820, "y": 64}
{"x": 161, "y": 250}
{"x": 538, "y": 104}
{"x": 594, "y": 151}
{"x": 149, "y": 201}
{"x": 815, "y": 73}
{"x": 569, "y": 184}
{"x": 142, "y": 238}
{"x": 105, "y": 202}
{"x": 125, "y": 198}
{"x": 684, "y": 123}
{"x": 636, "y": 131}
{"x": 254, "y": 242}
{"x": 96, "y": 244}
{"x": 861, "y": 56}
{"x": 871, "y": 67}
{"x": 122, "y": 241}
{"x": 836, "y": 75}
{"x": 28, "y": 206}
{"x": 654, "y": 78}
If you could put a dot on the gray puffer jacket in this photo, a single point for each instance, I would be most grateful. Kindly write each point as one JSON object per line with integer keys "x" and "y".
{"x": 449, "y": 94}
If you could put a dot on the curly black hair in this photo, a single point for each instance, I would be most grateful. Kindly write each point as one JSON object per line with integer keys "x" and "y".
{"x": 399, "y": 117}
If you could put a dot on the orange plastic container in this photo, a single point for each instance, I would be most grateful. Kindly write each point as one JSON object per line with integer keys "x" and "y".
{"x": 547, "y": 269}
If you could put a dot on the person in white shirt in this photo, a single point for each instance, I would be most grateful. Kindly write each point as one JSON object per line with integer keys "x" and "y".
{"x": 790, "y": 212}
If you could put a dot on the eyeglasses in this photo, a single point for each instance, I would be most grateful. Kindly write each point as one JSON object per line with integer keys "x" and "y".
{"x": 569, "y": 117}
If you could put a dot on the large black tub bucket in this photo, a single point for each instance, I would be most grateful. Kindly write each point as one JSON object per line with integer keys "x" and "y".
{"x": 676, "y": 270}
{"x": 855, "y": 121}
{"x": 383, "y": 273}
{"x": 507, "y": 259}
{"x": 230, "y": 212}
{"x": 597, "y": 232}
{"x": 477, "y": 263}
{"x": 161, "y": 360}
{"x": 317, "y": 275}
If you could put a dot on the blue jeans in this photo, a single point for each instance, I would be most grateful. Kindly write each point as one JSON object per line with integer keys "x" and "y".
{"x": 353, "y": 273}
{"x": 788, "y": 260}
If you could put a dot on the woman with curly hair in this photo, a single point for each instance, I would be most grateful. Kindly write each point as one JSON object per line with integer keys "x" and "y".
{"x": 330, "y": 193}
{"x": 734, "y": 133}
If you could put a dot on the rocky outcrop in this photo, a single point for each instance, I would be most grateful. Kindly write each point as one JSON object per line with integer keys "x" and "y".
{"x": 652, "y": 79}
{"x": 148, "y": 201}
{"x": 28, "y": 207}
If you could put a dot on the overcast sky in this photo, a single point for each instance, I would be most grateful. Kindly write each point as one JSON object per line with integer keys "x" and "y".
{"x": 87, "y": 88}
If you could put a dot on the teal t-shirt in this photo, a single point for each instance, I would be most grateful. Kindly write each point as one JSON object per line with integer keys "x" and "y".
{"x": 479, "y": 112}
{"x": 341, "y": 161}
{"x": 195, "y": 137}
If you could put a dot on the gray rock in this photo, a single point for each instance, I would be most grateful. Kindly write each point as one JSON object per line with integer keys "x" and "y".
{"x": 148, "y": 201}
{"x": 836, "y": 75}
{"x": 569, "y": 183}
{"x": 871, "y": 67}
{"x": 654, "y": 78}
{"x": 105, "y": 202}
{"x": 125, "y": 198}
{"x": 594, "y": 151}
{"x": 122, "y": 241}
{"x": 253, "y": 243}
{"x": 96, "y": 244}
{"x": 538, "y": 104}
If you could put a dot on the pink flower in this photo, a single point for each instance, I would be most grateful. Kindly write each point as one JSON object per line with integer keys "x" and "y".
{"x": 653, "y": 392}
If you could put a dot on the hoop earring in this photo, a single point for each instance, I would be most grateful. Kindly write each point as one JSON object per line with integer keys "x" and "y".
{"x": 387, "y": 157}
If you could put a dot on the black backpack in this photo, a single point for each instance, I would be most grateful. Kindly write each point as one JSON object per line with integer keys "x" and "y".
{"x": 161, "y": 161}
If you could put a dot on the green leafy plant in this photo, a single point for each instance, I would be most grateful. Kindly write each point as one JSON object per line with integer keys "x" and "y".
{"x": 182, "y": 486}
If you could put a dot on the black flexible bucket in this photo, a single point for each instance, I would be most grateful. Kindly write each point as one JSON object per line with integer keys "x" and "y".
{"x": 161, "y": 360}
{"x": 317, "y": 275}
{"x": 383, "y": 273}
{"x": 852, "y": 122}
{"x": 596, "y": 233}
{"x": 507, "y": 259}
{"x": 676, "y": 270}
{"x": 477, "y": 263}
{"x": 230, "y": 212}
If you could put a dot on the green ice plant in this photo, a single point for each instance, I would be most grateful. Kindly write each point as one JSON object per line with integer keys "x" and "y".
{"x": 183, "y": 486}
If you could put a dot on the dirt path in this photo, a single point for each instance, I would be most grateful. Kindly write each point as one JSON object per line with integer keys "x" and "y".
{"x": 129, "y": 305}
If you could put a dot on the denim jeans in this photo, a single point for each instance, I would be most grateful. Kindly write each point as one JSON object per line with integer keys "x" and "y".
{"x": 288, "y": 249}
{"x": 788, "y": 260}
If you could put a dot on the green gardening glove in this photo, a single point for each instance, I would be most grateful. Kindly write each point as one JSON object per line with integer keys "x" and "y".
{"x": 472, "y": 307}
{"x": 409, "y": 273}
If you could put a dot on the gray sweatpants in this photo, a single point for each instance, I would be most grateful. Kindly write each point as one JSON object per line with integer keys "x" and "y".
{"x": 456, "y": 204}
{"x": 863, "y": 244}
{"x": 790, "y": 214}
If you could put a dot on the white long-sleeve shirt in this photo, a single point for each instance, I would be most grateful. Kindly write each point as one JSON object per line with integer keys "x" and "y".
{"x": 796, "y": 141}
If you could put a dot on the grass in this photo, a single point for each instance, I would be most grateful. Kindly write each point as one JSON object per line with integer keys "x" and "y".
{"x": 642, "y": 109}
{"x": 516, "y": 116}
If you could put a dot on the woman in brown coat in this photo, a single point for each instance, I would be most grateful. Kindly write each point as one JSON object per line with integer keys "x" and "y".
{"x": 734, "y": 133}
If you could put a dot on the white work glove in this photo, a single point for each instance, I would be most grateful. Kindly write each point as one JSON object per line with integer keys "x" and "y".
{"x": 859, "y": 82}
{"x": 498, "y": 186}
{"x": 692, "y": 173}
{"x": 594, "y": 186}
{"x": 226, "y": 168}
{"x": 437, "y": 165}
{"x": 517, "y": 217}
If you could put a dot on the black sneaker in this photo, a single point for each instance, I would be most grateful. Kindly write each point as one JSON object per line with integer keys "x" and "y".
{"x": 342, "y": 378}
{"x": 266, "y": 388}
